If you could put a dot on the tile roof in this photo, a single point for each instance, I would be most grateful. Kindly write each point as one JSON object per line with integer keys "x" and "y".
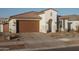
{"x": 29, "y": 15}
{"x": 70, "y": 17}
{"x": 3, "y": 20}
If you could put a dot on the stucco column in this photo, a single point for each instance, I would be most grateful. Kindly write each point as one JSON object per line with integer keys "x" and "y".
{"x": 62, "y": 29}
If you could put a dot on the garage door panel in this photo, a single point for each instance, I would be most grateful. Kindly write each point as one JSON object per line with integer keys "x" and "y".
{"x": 6, "y": 28}
{"x": 28, "y": 26}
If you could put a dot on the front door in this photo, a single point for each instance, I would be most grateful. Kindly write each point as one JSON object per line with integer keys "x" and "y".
{"x": 50, "y": 25}
{"x": 69, "y": 26}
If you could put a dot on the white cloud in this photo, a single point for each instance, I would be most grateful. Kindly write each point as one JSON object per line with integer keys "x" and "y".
{"x": 39, "y": 3}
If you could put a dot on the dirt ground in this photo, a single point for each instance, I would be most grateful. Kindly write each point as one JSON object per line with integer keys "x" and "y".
{"x": 36, "y": 41}
{"x": 64, "y": 34}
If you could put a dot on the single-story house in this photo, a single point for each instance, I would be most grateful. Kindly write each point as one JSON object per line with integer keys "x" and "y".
{"x": 69, "y": 23}
{"x": 43, "y": 21}
{"x": 4, "y": 26}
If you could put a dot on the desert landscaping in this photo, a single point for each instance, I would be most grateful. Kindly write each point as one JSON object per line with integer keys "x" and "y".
{"x": 37, "y": 41}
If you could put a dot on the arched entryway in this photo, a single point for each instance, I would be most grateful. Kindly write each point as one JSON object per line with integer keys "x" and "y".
{"x": 50, "y": 25}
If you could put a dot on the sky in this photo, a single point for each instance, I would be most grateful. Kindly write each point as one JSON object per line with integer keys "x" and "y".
{"x": 6, "y": 12}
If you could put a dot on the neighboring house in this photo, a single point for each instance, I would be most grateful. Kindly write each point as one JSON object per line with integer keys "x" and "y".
{"x": 69, "y": 23}
{"x": 43, "y": 21}
{"x": 4, "y": 26}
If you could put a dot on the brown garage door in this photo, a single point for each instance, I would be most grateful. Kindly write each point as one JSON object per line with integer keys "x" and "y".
{"x": 28, "y": 25}
{"x": 6, "y": 28}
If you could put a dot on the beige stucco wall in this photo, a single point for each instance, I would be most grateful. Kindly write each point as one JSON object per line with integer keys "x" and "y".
{"x": 1, "y": 27}
{"x": 12, "y": 26}
{"x": 45, "y": 18}
{"x": 66, "y": 25}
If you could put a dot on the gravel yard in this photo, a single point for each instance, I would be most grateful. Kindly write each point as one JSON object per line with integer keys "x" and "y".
{"x": 36, "y": 41}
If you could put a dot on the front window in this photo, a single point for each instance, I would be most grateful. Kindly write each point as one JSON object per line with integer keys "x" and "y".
{"x": 51, "y": 14}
